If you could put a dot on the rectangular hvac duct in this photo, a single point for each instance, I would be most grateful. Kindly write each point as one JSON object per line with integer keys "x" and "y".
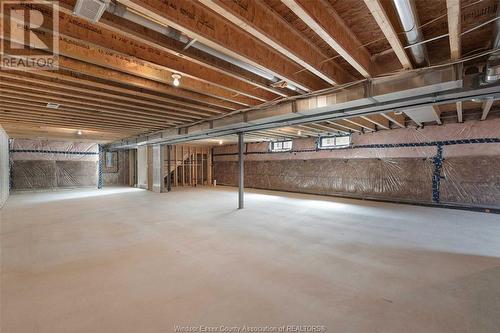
{"x": 90, "y": 9}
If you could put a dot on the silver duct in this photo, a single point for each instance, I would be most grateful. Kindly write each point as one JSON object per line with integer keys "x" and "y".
{"x": 409, "y": 20}
{"x": 493, "y": 63}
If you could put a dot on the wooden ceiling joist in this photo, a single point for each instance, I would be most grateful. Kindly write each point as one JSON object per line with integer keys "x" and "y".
{"x": 454, "y": 27}
{"x": 166, "y": 61}
{"x": 157, "y": 40}
{"x": 363, "y": 123}
{"x": 62, "y": 96}
{"x": 50, "y": 117}
{"x": 80, "y": 104}
{"x": 31, "y": 119}
{"x": 327, "y": 24}
{"x": 262, "y": 23}
{"x": 397, "y": 119}
{"x": 97, "y": 117}
{"x": 127, "y": 79}
{"x": 378, "y": 120}
{"x": 379, "y": 14}
{"x": 70, "y": 90}
{"x": 129, "y": 93}
{"x": 195, "y": 21}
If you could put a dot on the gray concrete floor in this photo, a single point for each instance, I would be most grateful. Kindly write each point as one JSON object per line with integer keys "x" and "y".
{"x": 128, "y": 260}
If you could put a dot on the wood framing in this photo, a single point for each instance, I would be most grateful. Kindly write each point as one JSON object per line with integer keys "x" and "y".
{"x": 325, "y": 22}
{"x": 379, "y": 14}
{"x": 256, "y": 18}
{"x": 195, "y": 21}
{"x": 454, "y": 27}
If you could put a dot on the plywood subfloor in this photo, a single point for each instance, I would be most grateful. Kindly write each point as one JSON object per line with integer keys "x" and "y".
{"x": 127, "y": 260}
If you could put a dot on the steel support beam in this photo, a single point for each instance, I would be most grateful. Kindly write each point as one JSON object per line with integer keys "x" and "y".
{"x": 241, "y": 190}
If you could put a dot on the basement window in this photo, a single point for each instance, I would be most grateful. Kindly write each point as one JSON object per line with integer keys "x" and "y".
{"x": 332, "y": 142}
{"x": 278, "y": 146}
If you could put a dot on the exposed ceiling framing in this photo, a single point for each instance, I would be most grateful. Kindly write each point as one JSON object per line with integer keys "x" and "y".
{"x": 115, "y": 75}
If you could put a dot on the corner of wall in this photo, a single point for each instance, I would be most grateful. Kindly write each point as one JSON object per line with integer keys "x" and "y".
{"x": 4, "y": 167}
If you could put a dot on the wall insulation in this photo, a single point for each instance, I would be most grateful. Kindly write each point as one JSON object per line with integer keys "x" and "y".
{"x": 408, "y": 165}
{"x": 45, "y": 164}
{"x": 4, "y": 167}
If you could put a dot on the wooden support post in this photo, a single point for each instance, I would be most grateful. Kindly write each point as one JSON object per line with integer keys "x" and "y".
{"x": 169, "y": 169}
{"x": 241, "y": 190}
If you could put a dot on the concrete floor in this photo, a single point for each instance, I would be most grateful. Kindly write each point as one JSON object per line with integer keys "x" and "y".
{"x": 128, "y": 260}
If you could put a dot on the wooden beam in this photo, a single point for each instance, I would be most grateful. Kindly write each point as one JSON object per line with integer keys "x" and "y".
{"x": 378, "y": 120}
{"x": 178, "y": 48}
{"x": 261, "y": 22}
{"x": 361, "y": 122}
{"x": 116, "y": 40}
{"x": 486, "y": 108}
{"x": 327, "y": 24}
{"x": 118, "y": 99}
{"x": 454, "y": 27}
{"x": 437, "y": 114}
{"x": 459, "y": 112}
{"x": 124, "y": 90}
{"x": 347, "y": 125}
{"x": 398, "y": 119}
{"x": 86, "y": 100}
{"x": 195, "y": 21}
{"x": 127, "y": 79}
{"x": 379, "y": 14}
{"x": 41, "y": 120}
{"x": 43, "y": 99}
{"x": 325, "y": 128}
{"x": 21, "y": 106}
{"x": 14, "y": 108}
{"x": 22, "y": 131}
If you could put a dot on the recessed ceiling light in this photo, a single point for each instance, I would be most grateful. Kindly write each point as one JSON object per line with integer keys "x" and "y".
{"x": 79, "y": 132}
{"x": 220, "y": 142}
{"x": 53, "y": 105}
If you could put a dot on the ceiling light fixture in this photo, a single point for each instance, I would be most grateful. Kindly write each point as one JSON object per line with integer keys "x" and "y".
{"x": 51, "y": 105}
{"x": 177, "y": 79}
{"x": 299, "y": 133}
{"x": 79, "y": 132}
{"x": 220, "y": 142}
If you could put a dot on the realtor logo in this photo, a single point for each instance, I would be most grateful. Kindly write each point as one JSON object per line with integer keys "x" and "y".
{"x": 29, "y": 32}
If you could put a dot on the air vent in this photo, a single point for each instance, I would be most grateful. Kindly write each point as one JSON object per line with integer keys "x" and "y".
{"x": 53, "y": 106}
{"x": 90, "y": 9}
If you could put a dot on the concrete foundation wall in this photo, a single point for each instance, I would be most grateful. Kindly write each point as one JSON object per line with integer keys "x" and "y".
{"x": 469, "y": 175}
{"x": 4, "y": 167}
{"x": 45, "y": 164}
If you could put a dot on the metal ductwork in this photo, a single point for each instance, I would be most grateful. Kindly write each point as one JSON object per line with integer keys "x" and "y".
{"x": 493, "y": 64}
{"x": 409, "y": 20}
{"x": 90, "y": 9}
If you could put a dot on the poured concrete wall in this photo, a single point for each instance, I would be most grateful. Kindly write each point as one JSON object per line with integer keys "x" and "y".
{"x": 45, "y": 164}
{"x": 4, "y": 167}
{"x": 470, "y": 175}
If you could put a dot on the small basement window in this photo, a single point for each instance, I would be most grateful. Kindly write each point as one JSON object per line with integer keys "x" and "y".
{"x": 281, "y": 146}
{"x": 329, "y": 142}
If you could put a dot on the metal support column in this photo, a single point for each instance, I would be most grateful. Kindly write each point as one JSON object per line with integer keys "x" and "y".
{"x": 241, "y": 191}
{"x": 169, "y": 169}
